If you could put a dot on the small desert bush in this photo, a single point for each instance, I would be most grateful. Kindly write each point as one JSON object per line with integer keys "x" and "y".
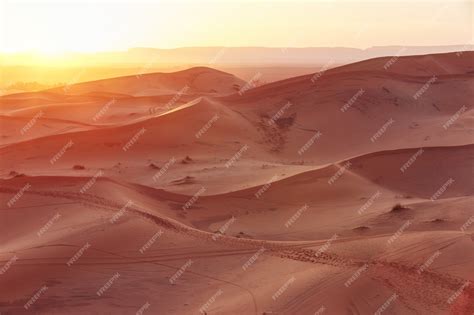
{"x": 399, "y": 207}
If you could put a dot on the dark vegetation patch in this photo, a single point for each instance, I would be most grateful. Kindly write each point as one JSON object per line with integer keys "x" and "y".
{"x": 186, "y": 160}
{"x": 184, "y": 181}
{"x": 154, "y": 166}
{"x": 361, "y": 229}
{"x": 399, "y": 207}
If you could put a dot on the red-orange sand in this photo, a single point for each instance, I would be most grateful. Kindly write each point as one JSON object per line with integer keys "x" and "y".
{"x": 344, "y": 192}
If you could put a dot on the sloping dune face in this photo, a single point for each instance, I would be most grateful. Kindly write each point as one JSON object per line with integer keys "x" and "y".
{"x": 348, "y": 191}
{"x": 197, "y": 80}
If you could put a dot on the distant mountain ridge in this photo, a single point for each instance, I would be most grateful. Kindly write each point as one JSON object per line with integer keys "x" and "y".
{"x": 307, "y": 56}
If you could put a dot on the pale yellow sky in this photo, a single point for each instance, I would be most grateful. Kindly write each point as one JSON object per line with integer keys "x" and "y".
{"x": 99, "y": 25}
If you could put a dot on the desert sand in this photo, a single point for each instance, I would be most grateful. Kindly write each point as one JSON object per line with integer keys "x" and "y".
{"x": 348, "y": 191}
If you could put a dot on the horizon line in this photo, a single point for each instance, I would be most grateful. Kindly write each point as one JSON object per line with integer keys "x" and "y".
{"x": 224, "y": 46}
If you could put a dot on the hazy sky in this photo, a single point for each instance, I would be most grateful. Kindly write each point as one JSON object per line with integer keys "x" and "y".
{"x": 58, "y": 26}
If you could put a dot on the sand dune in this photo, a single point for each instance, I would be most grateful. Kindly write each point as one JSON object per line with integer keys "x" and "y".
{"x": 194, "y": 80}
{"x": 197, "y": 192}
{"x": 424, "y": 65}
